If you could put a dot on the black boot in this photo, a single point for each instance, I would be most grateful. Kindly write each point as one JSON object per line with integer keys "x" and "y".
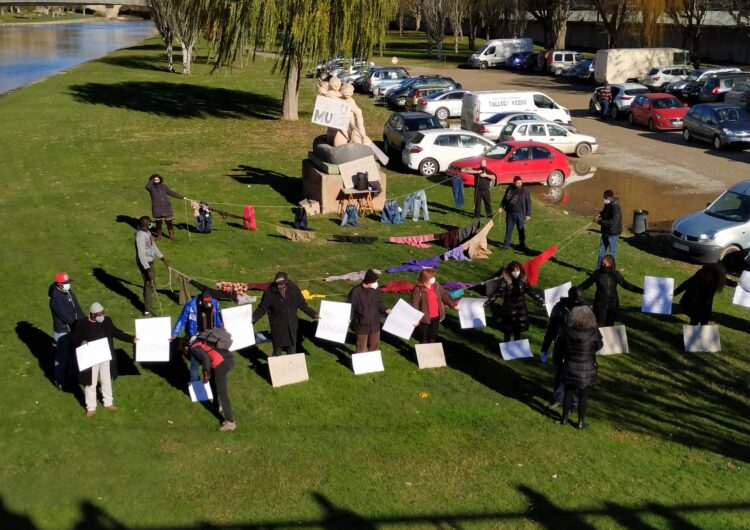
{"x": 564, "y": 420}
{"x": 582, "y": 425}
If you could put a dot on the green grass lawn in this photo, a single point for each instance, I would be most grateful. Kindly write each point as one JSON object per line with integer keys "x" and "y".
{"x": 668, "y": 443}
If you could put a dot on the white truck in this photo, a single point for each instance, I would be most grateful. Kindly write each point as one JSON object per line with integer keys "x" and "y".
{"x": 496, "y": 51}
{"x": 623, "y": 65}
{"x": 478, "y": 106}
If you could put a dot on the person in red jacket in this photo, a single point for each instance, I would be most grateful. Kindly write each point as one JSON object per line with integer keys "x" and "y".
{"x": 211, "y": 349}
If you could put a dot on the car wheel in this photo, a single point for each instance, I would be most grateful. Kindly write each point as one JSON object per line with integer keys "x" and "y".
{"x": 483, "y": 65}
{"x": 614, "y": 112}
{"x": 442, "y": 113}
{"x": 428, "y": 167}
{"x": 583, "y": 149}
{"x": 717, "y": 143}
{"x": 631, "y": 120}
{"x": 556, "y": 178}
{"x": 651, "y": 125}
{"x": 731, "y": 258}
{"x": 401, "y": 102}
{"x": 686, "y": 135}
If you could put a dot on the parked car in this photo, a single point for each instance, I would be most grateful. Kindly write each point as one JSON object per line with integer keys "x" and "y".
{"x": 443, "y": 105}
{"x": 531, "y": 62}
{"x": 380, "y": 75}
{"x": 381, "y": 91}
{"x": 623, "y": 95}
{"x": 415, "y": 94}
{"x": 721, "y": 230}
{"x": 430, "y": 152}
{"x": 659, "y": 112}
{"x": 659, "y": 77}
{"x": 583, "y": 71}
{"x": 496, "y": 51}
{"x": 516, "y": 61}
{"x": 560, "y": 60}
{"x": 396, "y": 98}
{"x": 739, "y": 95}
{"x": 492, "y": 127}
{"x": 691, "y": 87}
{"x": 718, "y": 123}
{"x": 532, "y": 161}
{"x": 551, "y": 134}
{"x": 402, "y": 126}
{"x": 716, "y": 86}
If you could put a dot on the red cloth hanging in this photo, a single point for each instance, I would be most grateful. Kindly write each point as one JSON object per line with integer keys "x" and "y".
{"x": 248, "y": 218}
{"x": 397, "y": 286}
{"x": 531, "y": 267}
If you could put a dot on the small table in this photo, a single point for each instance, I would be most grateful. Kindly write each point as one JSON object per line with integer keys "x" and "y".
{"x": 361, "y": 199}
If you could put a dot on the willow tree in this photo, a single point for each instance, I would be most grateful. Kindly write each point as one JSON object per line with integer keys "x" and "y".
{"x": 161, "y": 15}
{"x": 296, "y": 31}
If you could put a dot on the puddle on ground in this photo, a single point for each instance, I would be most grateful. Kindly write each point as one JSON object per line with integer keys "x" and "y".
{"x": 583, "y": 191}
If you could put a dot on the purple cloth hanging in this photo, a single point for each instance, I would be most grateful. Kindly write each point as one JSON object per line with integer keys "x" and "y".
{"x": 414, "y": 265}
{"x": 452, "y": 286}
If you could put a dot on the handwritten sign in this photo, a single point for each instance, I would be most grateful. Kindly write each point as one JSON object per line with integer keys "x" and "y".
{"x": 238, "y": 321}
{"x": 334, "y": 321}
{"x": 402, "y": 320}
{"x": 330, "y": 112}
{"x": 153, "y": 339}
{"x": 287, "y": 369}
{"x": 431, "y": 355}
{"x": 91, "y": 353}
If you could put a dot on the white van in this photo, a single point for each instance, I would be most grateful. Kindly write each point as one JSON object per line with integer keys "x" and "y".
{"x": 496, "y": 51}
{"x": 478, "y": 106}
{"x": 623, "y": 65}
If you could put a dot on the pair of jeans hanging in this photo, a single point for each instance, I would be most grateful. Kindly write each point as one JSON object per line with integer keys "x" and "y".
{"x": 458, "y": 191}
{"x": 391, "y": 213}
{"x": 414, "y": 203}
{"x": 351, "y": 216}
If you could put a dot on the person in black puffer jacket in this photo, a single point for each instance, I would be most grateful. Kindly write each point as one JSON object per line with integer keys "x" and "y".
{"x": 579, "y": 342}
{"x": 514, "y": 317}
{"x": 610, "y": 219}
{"x": 698, "y": 301}
{"x": 606, "y": 300}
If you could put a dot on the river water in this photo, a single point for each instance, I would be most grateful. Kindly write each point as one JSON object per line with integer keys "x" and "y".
{"x": 29, "y": 52}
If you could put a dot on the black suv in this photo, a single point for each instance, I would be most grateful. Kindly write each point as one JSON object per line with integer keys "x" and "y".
{"x": 396, "y": 98}
{"x": 716, "y": 87}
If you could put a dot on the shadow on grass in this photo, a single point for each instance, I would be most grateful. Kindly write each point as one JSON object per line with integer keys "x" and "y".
{"x": 137, "y": 62}
{"x": 119, "y": 286}
{"x": 537, "y": 508}
{"x": 178, "y": 100}
{"x": 288, "y": 187}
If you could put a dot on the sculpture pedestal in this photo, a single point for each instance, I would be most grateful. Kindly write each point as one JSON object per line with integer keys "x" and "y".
{"x": 326, "y": 188}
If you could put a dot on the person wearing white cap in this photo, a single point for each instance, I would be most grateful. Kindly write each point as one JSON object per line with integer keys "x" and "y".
{"x": 97, "y": 326}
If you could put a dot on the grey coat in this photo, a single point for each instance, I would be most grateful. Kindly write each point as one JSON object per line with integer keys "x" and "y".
{"x": 160, "y": 205}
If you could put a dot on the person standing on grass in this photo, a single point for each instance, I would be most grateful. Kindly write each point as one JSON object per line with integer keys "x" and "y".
{"x": 201, "y": 313}
{"x": 367, "y": 306}
{"x": 97, "y": 326}
{"x": 282, "y": 300}
{"x": 700, "y": 289}
{"x": 211, "y": 348}
{"x": 579, "y": 340}
{"x": 557, "y": 321}
{"x": 431, "y": 299}
{"x": 605, "y": 98}
{"x": 513, "y": 287}
{"x": 517, "y": 204}
{"x": 145, "y": 253}
{"x": 65, "y": 310}
{"x": 161, "y": 208}
{"x": 606, "y": 299}
{"x": 484, "y": 180}
{"x": 610, "y": 219}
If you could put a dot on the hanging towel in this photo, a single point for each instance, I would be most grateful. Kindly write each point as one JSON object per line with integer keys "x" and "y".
{"x": 413, "y": 241}
{"x": 477, "y": 246}
{"x": 456, "y": 254}
{"x": 349, "y": 277}
{"x": 295, "y": 235}
{"x": 307, "y": 295}
{"x": 360, "y": 240}
{"x": 458, "y": 191}
{"x": 391, "y": 213}
{"x": 531, "y": 267}
{"x": 397, "y": 286}
{"x": 248, "y": 218}
{"x": 414, "y": 265}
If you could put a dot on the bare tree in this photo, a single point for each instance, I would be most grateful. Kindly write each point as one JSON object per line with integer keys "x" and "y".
{"x": 409, "y": 8}
{"x": 615, "y": 14}
{"x": 161, "y": 14}
{"x": 689, "y": 16}
{"x": 456, "y": 11}
{"x": 739, "y": 11}
{"x": 433, "y": 12}
{"x": 515, "y": 15}
{"x": 553, "y": 16}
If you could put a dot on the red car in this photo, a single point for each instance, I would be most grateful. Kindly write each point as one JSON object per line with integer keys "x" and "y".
{"x": 659, "y": 112}
{"x": 532, "y": 161}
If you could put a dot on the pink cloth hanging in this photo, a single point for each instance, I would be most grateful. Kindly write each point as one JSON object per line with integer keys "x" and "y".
{"x": 248, "y": 218}
{"x": 413, "y": 241}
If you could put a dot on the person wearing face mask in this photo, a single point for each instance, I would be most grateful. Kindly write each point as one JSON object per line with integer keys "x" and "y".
{"x": 161, "y": 208}
{"x": 281, "y": 301}
{"x": 65, "y": 310}
{"x": 145, "y": 253}
{"x": 517, "y": 205}
{"x": 610, "y": 219}
{"x": 98, "y": 326}
{"x": 513, "y": 287}
{"x": 367, "y": 306}
{"x": 606, "y": 299}
{"x": 431, "y": 299}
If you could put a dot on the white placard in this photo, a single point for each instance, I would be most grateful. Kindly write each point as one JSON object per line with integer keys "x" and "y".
{"x": 334, "y": 321}
{"x": 657, "y": 295}
{"x": 200, "y": 391}
{"x": 367, "y": 362}
{"x": 238, "y": 321}
{"x": 517, "y": 349}
{"x": 553, "y": 295}
{"x": 701, "y": 338}
{"x": 330, "y": 112}
{"x": 742, "y": 292}
{"x": 431, "y": 355}
{"x": 94, "y": 352}
{"x": 471, "y": 313}
{"x": 615, "y": 339}
{"x": 153, "y": 339}
{"x": 402, "y": 320}
{"x": 287, "y": 369}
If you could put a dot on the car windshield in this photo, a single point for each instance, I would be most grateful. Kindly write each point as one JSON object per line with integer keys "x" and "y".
{"x": 667, "y": 103}
{"x": 481, "y": 50}
{"x": 435, "y": 95}
{"x": 420, "y": 124}
{"x": 695, "y": 75}
{"x": 636, "y": 91}
{"x": 497, "y": 152}
{"x": 730, "y": 114}
{"x": 497, "y": 117}
{"x": 732, "y": 207}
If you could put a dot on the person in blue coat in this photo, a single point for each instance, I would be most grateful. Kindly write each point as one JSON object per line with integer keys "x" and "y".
{"x": 201, "y": 313}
